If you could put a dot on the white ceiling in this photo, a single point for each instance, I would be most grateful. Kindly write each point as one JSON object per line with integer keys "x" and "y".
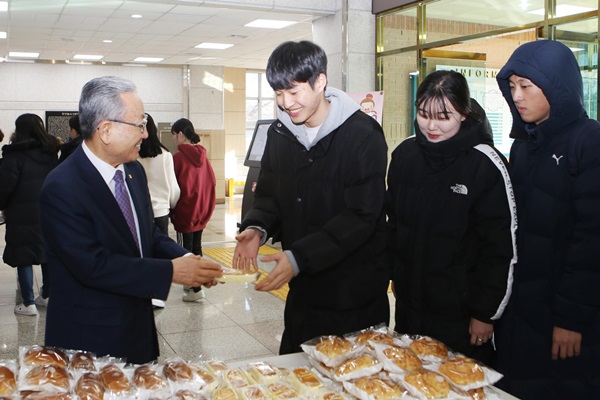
{"x": 169, "y": 29}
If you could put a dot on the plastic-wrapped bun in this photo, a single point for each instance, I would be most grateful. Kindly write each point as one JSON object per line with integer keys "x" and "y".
{"x": 40, "y": 355}
{"x": 8, "y": 383}
{"x": 114, "y": 380}
{"x": 145, "y": 377}
{"x": 89, "y": 387}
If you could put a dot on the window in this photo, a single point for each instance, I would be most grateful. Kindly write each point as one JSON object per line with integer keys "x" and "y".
{"x": 260, "y": 101}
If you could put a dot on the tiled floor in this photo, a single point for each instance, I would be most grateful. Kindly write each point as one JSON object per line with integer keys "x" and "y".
{"x": 233, "y": 322}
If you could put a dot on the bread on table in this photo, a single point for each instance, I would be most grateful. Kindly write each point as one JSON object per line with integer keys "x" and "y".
{"x": 114, "y": 379}
{"x": 8, "y": 383}
{"x": 89, "y": 387}
{"x": 145, "y": 377}
{"x": 41, "y": 355}
{"x": 429, "y": 383}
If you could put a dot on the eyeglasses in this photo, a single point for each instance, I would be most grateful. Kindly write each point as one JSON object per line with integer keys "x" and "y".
{"x": 142, "y": 126}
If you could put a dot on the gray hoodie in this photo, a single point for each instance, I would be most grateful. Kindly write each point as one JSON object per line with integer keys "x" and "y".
{"x": 342, "y": 107}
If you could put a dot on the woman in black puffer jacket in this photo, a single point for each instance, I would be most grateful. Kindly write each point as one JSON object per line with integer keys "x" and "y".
{"x": 452, "y": 221}
{"x": 31, "y": 155}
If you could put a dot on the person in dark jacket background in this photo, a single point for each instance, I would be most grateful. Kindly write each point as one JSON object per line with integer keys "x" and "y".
{"x": 452, "y": 221}
{"x": 320, "y": 191}
{"x": 31, "y": 155}
{"x": 197, "y": 200}
{"x": 549, "y": 339}
{"x": 75, "y": 139}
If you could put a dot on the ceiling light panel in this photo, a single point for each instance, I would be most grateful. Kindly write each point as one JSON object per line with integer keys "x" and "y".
{"x": 88, "y": 57}
{"x": 213, "y": 46}
{"x": 269, "y": 23}
{"x": 21, "y": 54}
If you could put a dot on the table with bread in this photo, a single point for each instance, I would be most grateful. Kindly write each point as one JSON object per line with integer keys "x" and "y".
{"x": 373, "y": 364}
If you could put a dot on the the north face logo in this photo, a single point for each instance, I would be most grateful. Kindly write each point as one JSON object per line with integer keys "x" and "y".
{"x": 460, "y": 189}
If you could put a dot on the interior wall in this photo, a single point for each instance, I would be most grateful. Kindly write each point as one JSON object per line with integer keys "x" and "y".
{"x": 37, "y": 88}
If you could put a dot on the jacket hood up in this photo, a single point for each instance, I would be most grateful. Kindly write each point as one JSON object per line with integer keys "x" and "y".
{"x": 341, "y": 108}
{"x": 195, "y": 154}
{"x": 552, "y": 67}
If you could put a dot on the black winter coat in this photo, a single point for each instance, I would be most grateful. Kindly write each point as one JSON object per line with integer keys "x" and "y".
{"x": 22, "y": 173}
{"x": 557, "y": 278}
{"x": 326, "y": 206}
{"x": 452, "y": 223}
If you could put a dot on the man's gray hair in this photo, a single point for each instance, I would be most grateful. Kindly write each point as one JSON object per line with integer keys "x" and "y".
{"x": 100, "y": 100}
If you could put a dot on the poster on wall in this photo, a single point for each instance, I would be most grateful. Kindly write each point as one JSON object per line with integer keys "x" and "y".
{"x": 484, "y": 89}
{"x": 57, "y": 123}
{"x": 371, "y": 103}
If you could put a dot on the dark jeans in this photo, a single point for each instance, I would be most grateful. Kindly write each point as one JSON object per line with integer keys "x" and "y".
{"x": 162, "y": 223}
{"x": 25, "y": 276}
{"x": 192, "y": 242}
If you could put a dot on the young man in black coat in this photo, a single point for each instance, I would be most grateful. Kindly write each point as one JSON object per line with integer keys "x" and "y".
{"x": 320, "y": 192}
{"x": 549, "y": 337}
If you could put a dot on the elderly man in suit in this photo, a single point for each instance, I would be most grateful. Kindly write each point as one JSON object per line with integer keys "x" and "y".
{"x": 105, "y": 256}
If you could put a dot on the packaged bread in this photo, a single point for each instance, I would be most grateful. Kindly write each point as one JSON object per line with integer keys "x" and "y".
{"x": 429, "y": 349}
{"x": 329, "y": 395}
{"x": 225, "y": 393}
{"x": 427, "y": 384}
{"x": 462, "y": 371}
{"x": 477, "y": 394}
{"x": 178, "y": 371}
{"x": 89, "y": 387}
{"x": 282, "y": 390}
{"x": 369, "y": 336}
{"x": 264, "y": 372}
{"x": 397, "y": 359}
{"x": 216, "y": 366}
{"x": 321, "y": 368}
{"x": 8, "y": 381}
{"x": 357, "y": 367}
{"x": 83, "y": 361}
{"x": 209, "y": 380}
{"x": 238, "y": 275}
{"x": 146, "y": 377}
{"x": 466, "y": 373}
{"x": 236, "y": 378}
{"x": 253, "y": 392}
{"x": 306, "y": 380}
{"x": 186, "y": 394}
{"x": 374, "y": 388}
{"x": 47, "y": 377}
{"x": 114, "y": 380}
{"x": 45, "y": 395}
{"x": 331, "y": 350}
{"x": 42, "y": 355}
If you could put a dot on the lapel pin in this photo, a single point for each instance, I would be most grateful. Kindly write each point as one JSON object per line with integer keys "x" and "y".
{"x": 129, "y": 175}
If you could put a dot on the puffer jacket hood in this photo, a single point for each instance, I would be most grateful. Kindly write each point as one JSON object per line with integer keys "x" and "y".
{"x": 195, "y": 154}
{"x": 552, "y": 67}
{"x": 342, "y": 107}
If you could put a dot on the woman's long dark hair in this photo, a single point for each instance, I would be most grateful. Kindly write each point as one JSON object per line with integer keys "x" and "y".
{"x": 31, "y": 127}
{"x": 151, "y": 147}
{"x": 186, "y": 126}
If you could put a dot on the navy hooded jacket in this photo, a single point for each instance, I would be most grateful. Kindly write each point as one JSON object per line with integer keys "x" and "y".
{"x": 555, "y": 169}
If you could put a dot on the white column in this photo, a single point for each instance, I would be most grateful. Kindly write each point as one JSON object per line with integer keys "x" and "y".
{"x": 348, "y": 38}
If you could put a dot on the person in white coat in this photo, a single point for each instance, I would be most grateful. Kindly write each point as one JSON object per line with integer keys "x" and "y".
{"x": 162, "y": 182}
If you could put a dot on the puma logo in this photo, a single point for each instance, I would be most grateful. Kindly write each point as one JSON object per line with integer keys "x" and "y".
{"x": 556, "y": 158}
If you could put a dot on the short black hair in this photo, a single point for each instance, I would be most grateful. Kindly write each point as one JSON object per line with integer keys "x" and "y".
{"x": 74, "y": 124}
{"x": 295, "y": 62}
